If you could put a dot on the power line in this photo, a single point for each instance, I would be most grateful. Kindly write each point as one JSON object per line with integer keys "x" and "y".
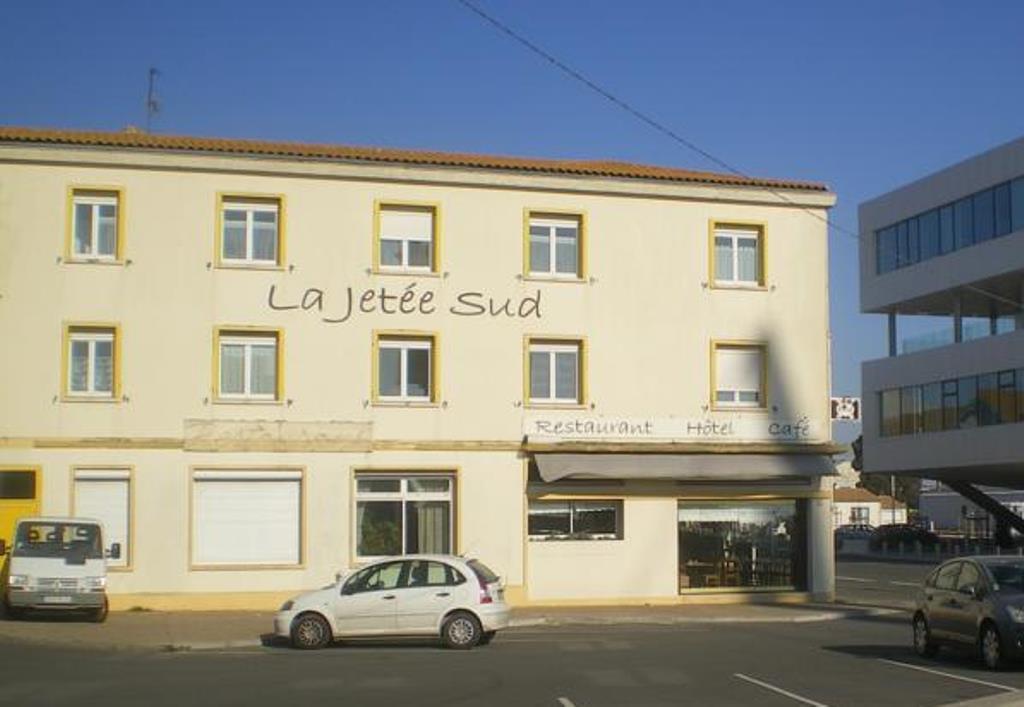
{"x": 672, "y": 134}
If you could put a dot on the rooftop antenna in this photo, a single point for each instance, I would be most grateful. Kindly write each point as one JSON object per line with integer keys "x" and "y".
{"x": 152, "y": 104}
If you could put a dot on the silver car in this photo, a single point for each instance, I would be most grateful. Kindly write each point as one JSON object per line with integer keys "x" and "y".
{"x": 973, "y": 601}
{"x": 460, "y": 600}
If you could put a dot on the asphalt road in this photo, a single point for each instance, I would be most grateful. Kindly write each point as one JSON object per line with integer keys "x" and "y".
{"x": 828, "y": 663}
{"x": 892, "y": 584}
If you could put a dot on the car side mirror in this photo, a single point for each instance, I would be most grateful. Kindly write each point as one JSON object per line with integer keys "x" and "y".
{"x": 115, "y": 551}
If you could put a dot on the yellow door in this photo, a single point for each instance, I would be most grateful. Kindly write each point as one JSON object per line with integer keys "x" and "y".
{"x": 19, "y": 497}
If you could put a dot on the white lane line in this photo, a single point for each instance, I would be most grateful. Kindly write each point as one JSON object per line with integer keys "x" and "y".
{"x": 565, "y": 702}
{"x": 779, "y": 690}
{"x": 953, "y": 676}
{"x": 855, "y": 579}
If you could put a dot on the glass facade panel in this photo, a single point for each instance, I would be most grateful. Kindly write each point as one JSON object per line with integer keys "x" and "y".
{"x": 988, "y": 399}
{"x": 913, "y": 241}
{"x": 984, "y": 216}
{"x": 929, "y": 226}
{"x": 950, "y": 397}
{"x": 910, "y": 410}
{"x": 1007, "y": 397}
{"x": 890, "y": 412}
{"x": 967, "y": 402}
{"x": 903, "y": 244}
{"x": 1017, "y": 203}
{"x": 1004, "y": 218}
{"x": 754, "y": 544}
{"x": 947, "y": 239}
{"x": 963, "y": 211}
{"x": 931, "y": 407}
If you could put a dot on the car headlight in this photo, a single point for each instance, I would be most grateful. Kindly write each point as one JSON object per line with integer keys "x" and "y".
{"x": 94, "y": 582}
{"x": 17, "y": 580}
{"x": 1016, "y": 613}
{"x": 287, "y": 606}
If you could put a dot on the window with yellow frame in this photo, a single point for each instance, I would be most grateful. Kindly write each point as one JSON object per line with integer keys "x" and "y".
{"x": 739, "y": 375}
{"x": 406, "y": 238}
{"x": 248, "y": 364}
{"x": 95, "y": 225}
{"x": 91, "y": 362}
{"x": 405, "y": 368}
{"x": 737, "y": 255}
{"x": 554, "y": 245}
{"x": 250, "y": 231}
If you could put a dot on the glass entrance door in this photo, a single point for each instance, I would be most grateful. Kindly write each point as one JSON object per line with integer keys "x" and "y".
{"x": 741, "y": 545}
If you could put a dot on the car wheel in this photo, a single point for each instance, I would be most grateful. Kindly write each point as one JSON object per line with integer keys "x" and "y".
{"x": 99, "y": 614}
{"x": 310, "y": 631}
{"x": 487, "y": 637}
{"x": 990, "y": 645}
{"x": 461, "y": 631}
{"x": 924, "y": 646}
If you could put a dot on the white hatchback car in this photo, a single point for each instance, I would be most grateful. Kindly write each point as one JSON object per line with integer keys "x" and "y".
{"x": 458, "y": 599}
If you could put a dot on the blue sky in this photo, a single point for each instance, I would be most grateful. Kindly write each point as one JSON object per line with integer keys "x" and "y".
{"x": 864, "y": 96}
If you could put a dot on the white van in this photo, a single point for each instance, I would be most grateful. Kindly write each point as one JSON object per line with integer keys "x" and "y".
{"x": 57, "y": 563}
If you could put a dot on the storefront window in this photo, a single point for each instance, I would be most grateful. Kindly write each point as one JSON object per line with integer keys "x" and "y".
{"x": 575, "y": 520}
{"x": 398, "y": 515}
{"x": 742, "y": 545}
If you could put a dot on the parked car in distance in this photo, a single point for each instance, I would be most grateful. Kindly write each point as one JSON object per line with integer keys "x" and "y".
{"x": 901, "y": 535}
{"x": 854, "y": 530}
{"x": 457, "y": 599}
{"x": 974, "y": 601}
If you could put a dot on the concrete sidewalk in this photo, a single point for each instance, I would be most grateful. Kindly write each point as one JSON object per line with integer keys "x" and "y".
{"x": 202, "y": 630}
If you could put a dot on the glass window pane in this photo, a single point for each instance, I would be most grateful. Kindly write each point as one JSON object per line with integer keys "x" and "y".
{"x": 913, "y": 241}
{"x": 429, "y": 485}
{"x": 890, "y": 412}
{"x": 910, "y": 409}
{"x": 931, "y": 404}
{"x": 723, "y": 259}
{"x": 595, "y": 518}
{"x": 747, "y": 261}
{"x": 419, "y": 254}
{"x": 378, "y": 485}
{"x": 234, "y": 235}
{"x": 1017, "y": 203}
{"x": 950, "y": 399}
{"x": 83, "y": 229}
{"x": 389, "y": 372}
{"x": 929, "y": 225}
{"x": 427, "y": 527}
{"x": 378, "y": 528}
{"x": 232, "y": 369}
{"x": 988, "y": 399}
{"x": 418, "y": 373}
{"x": 566, "y": 370}
{"x": 1002, "y": 207}
{"x": 107, "y": 228}
{"x": 1007, "y": 397}
{"x": 549, "y": 519}
{"x": 903, "y": 244}
{"x": 749, "y": 396}
{"x": 103, "y": 367}
{"x": 967, "y": 403}
{"x": 390, "y": 252}
{"x": 264, "y": 370}
{"x": 947, "y": 239}
{"x": 264, "y": 236}
{"x": 78, "y": 380}
{"x": 540, "y": 249}
{"x": 963, "y": 211}
{"x": 566, "y": 251}
{"x": 725, "y": 396}
{"x": 984, "y": 216}
{"x": 540, "y": 375}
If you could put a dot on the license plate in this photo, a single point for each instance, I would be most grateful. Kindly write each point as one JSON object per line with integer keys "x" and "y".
{"x": 56, "y": 600}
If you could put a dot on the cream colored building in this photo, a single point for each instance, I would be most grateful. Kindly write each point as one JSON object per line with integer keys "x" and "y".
{"x": 261, "y": 363}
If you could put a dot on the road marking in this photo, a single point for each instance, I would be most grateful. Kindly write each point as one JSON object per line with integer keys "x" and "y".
{"x": 855, "y": 579}
{"x": 953, "y": 676}
{"x": 565, "y": 702}
{"x": 779, "y": 690}
{"x": 905, "y": 584}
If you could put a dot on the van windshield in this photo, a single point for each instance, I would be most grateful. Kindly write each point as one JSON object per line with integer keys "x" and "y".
{"x": 74, "y": 541}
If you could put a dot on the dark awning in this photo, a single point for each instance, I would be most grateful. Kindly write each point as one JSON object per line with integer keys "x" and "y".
{"x": 683, "y": 467}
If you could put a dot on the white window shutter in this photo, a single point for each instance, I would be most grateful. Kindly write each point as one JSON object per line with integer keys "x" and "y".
{"x": 105, "y": 496}
{"x": 738, "y": 369}
{"x": 410, "y": 224}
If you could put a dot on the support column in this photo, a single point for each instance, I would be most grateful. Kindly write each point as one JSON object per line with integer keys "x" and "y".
{"x": 993, "y": 319}
{"x": 892, "y": 333}
{"x": 821, "y": 559}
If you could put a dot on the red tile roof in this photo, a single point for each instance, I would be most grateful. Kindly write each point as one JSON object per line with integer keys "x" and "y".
{"x": 863, "y": 495}
{"x": 345, "y": 153}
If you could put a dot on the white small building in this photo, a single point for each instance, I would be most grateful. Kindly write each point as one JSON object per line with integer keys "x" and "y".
{"x": 858, "y": 506}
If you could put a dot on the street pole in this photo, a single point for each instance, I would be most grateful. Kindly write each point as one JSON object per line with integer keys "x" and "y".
{"x": 892, "y": 493}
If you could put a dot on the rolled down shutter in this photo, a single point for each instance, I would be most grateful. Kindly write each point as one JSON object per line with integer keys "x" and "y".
{"x": 407, "y": 224}
{"x": 738, "y": 369}
{"x": 247, "y": 517}
{"x": 104, "y": 494}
